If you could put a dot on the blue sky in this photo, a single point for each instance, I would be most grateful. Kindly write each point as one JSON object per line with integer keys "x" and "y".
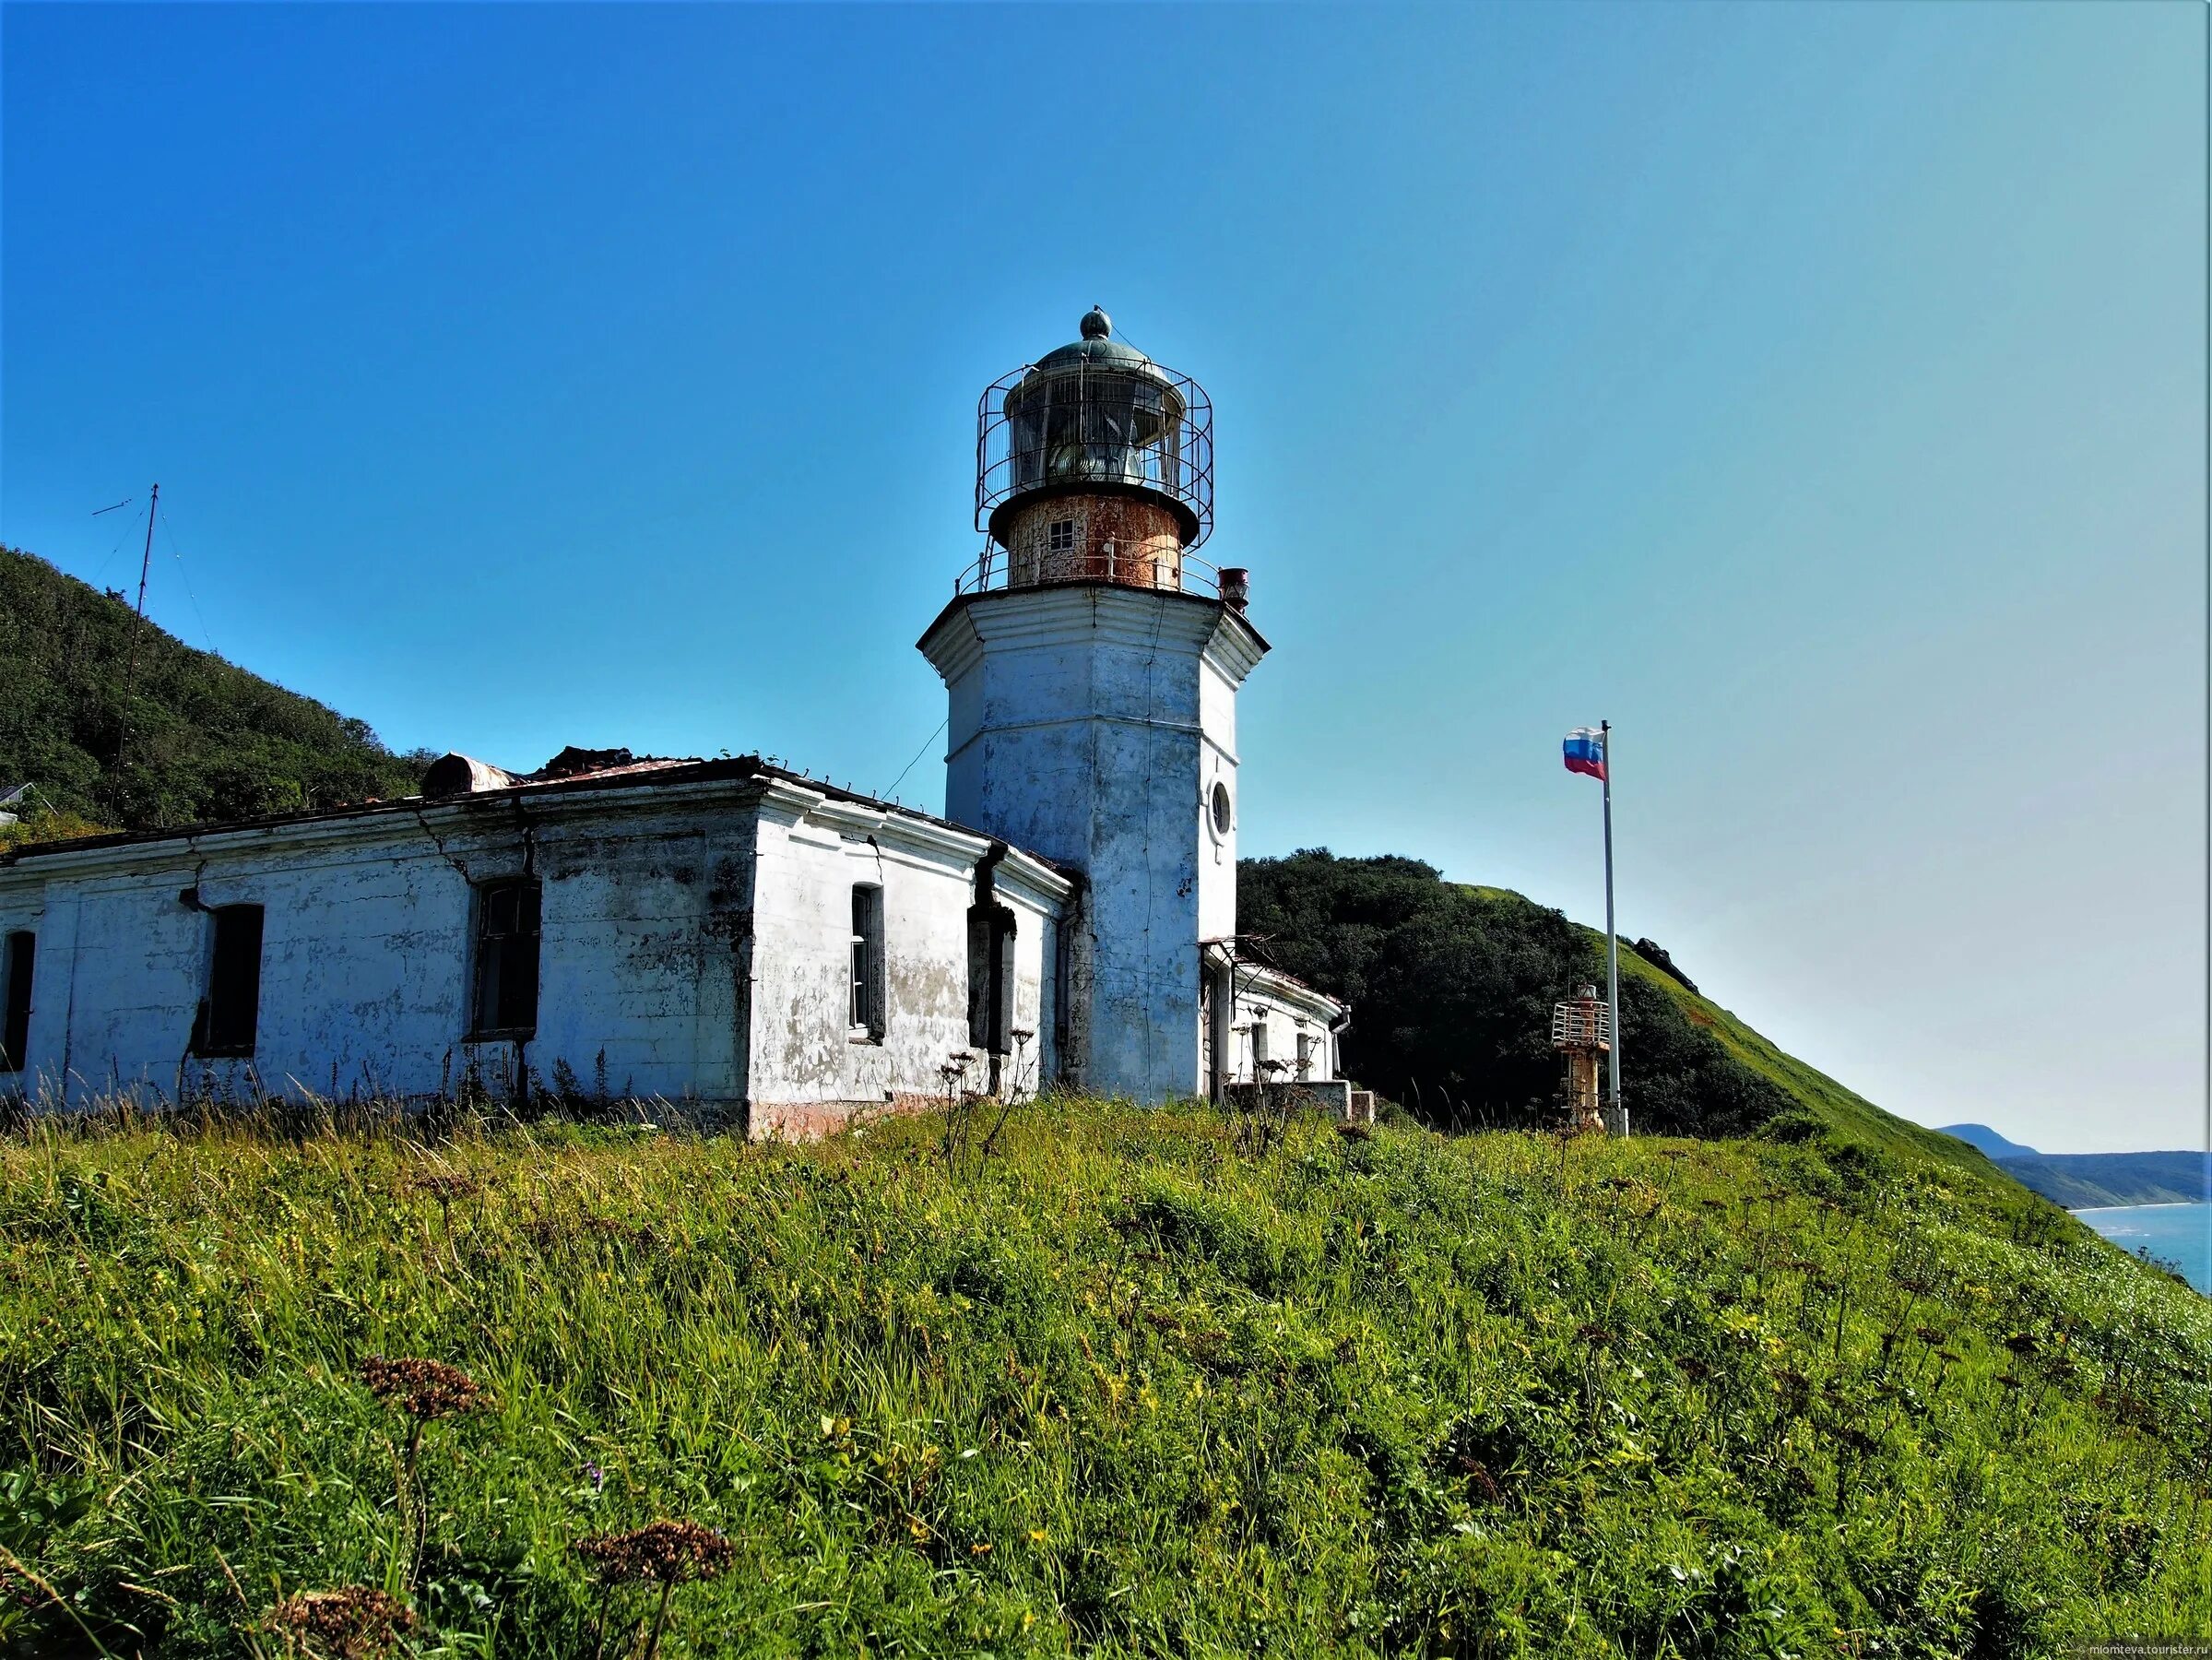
{"x": 1816, "y": 392}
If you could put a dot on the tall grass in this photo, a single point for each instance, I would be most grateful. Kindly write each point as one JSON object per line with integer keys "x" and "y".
{"x": 1119, "y": 1388}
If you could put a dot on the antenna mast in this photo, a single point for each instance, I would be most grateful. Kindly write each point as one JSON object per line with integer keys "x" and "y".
{"x": 130, "y": 675}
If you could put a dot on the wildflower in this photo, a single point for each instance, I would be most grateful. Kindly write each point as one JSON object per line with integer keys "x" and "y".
{"x": 353, "y": 1622}
{"x": 595, "y": 1477}
{"x": 663, "y": 1553}
{"x": 667, "y": 1553}
{"x": 423, "y": 1389}
{"x": 1481, "y": 1483}
{"x": 445, "y": 1189}
{"x": 1038, "y": 1535}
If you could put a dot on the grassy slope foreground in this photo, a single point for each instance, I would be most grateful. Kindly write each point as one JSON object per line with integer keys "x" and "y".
{"x": 1136, "y": 1386}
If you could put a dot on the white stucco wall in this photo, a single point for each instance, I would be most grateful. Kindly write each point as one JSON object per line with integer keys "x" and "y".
{"x": 1282, "y": 1011}
{"x": 1089, "y": 722}
{"x": 810, "y": 1070}
{"x": 368, "y": 934}
{"x": 694, "y": 945}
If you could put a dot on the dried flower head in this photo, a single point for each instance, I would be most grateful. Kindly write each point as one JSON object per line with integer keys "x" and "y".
{"x": 667, "y": 1553}
{"x": 1482, "y": 1486}
{"x": 353, "y": 1622}
{"x": 423, "y": 1389}
{"x": 447, "y": 1188}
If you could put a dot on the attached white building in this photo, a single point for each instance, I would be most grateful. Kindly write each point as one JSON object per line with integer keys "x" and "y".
{"x": 729, "y": 935}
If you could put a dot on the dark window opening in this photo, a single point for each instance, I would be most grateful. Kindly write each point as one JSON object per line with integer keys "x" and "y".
{"x": 506, "y": 959}
{"x": 1061, "y": 537}
{"x": 868, "y": 992}
{"x": 991, "y": 978}
{"x": 231, "y": 1010}
{"x": 15, "y": 1029}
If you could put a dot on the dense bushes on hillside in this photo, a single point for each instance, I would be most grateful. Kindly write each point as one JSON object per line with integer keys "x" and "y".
{"x": 1129, "y": 1389}
{"x": 1452, "y": 990}
{"x": 207, "y": 739}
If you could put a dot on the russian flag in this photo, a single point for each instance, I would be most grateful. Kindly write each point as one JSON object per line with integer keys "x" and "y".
{"x": 1586, "y": 752}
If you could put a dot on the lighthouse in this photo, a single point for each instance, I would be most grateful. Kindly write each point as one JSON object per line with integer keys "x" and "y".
{"x": 1092, "y": 661}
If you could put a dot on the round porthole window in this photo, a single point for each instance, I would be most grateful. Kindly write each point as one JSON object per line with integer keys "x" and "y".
{"x": 1221, "y": 810}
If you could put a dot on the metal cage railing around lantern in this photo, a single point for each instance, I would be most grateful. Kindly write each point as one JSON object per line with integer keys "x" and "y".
{"x": 1117, "y": 425}
{"x": 995, "y": 569}
{"x": 1581, "y": 1025}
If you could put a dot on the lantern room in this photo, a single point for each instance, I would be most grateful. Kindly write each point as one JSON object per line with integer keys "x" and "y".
{"x": 1092, "y": 464}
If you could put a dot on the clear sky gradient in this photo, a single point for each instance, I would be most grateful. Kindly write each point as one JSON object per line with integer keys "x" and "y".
{"x": 1816, "y": 392}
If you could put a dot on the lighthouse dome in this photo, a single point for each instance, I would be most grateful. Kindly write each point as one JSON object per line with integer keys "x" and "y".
{"x": 1097, "y": 417}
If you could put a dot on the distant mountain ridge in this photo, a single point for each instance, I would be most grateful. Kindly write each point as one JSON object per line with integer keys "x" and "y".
{"x": 1989, "y": 1143}
{"x": 2089, "y": 1180}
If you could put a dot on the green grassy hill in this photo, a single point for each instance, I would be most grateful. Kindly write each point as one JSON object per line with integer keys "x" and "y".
{"x": 1138, "y": 1383}
{"x": 208, "y": 740}
{"x": 1452, "y": 986}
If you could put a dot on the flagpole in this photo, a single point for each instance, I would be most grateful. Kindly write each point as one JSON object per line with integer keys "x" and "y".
{"x": 1613, "y": 951}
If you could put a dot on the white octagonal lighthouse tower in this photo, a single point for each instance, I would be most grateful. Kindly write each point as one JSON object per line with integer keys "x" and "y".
{"x": 1093, "y": 663}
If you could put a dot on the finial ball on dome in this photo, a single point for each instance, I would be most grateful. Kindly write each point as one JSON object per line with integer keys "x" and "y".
{"x": 1097, "y": 325}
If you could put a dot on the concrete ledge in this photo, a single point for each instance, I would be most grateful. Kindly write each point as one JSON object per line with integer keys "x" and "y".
{"x": 810, "y": 1120}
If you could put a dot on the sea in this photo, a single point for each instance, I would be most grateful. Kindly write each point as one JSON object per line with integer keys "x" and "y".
{"x": 2177, "y": 1234}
